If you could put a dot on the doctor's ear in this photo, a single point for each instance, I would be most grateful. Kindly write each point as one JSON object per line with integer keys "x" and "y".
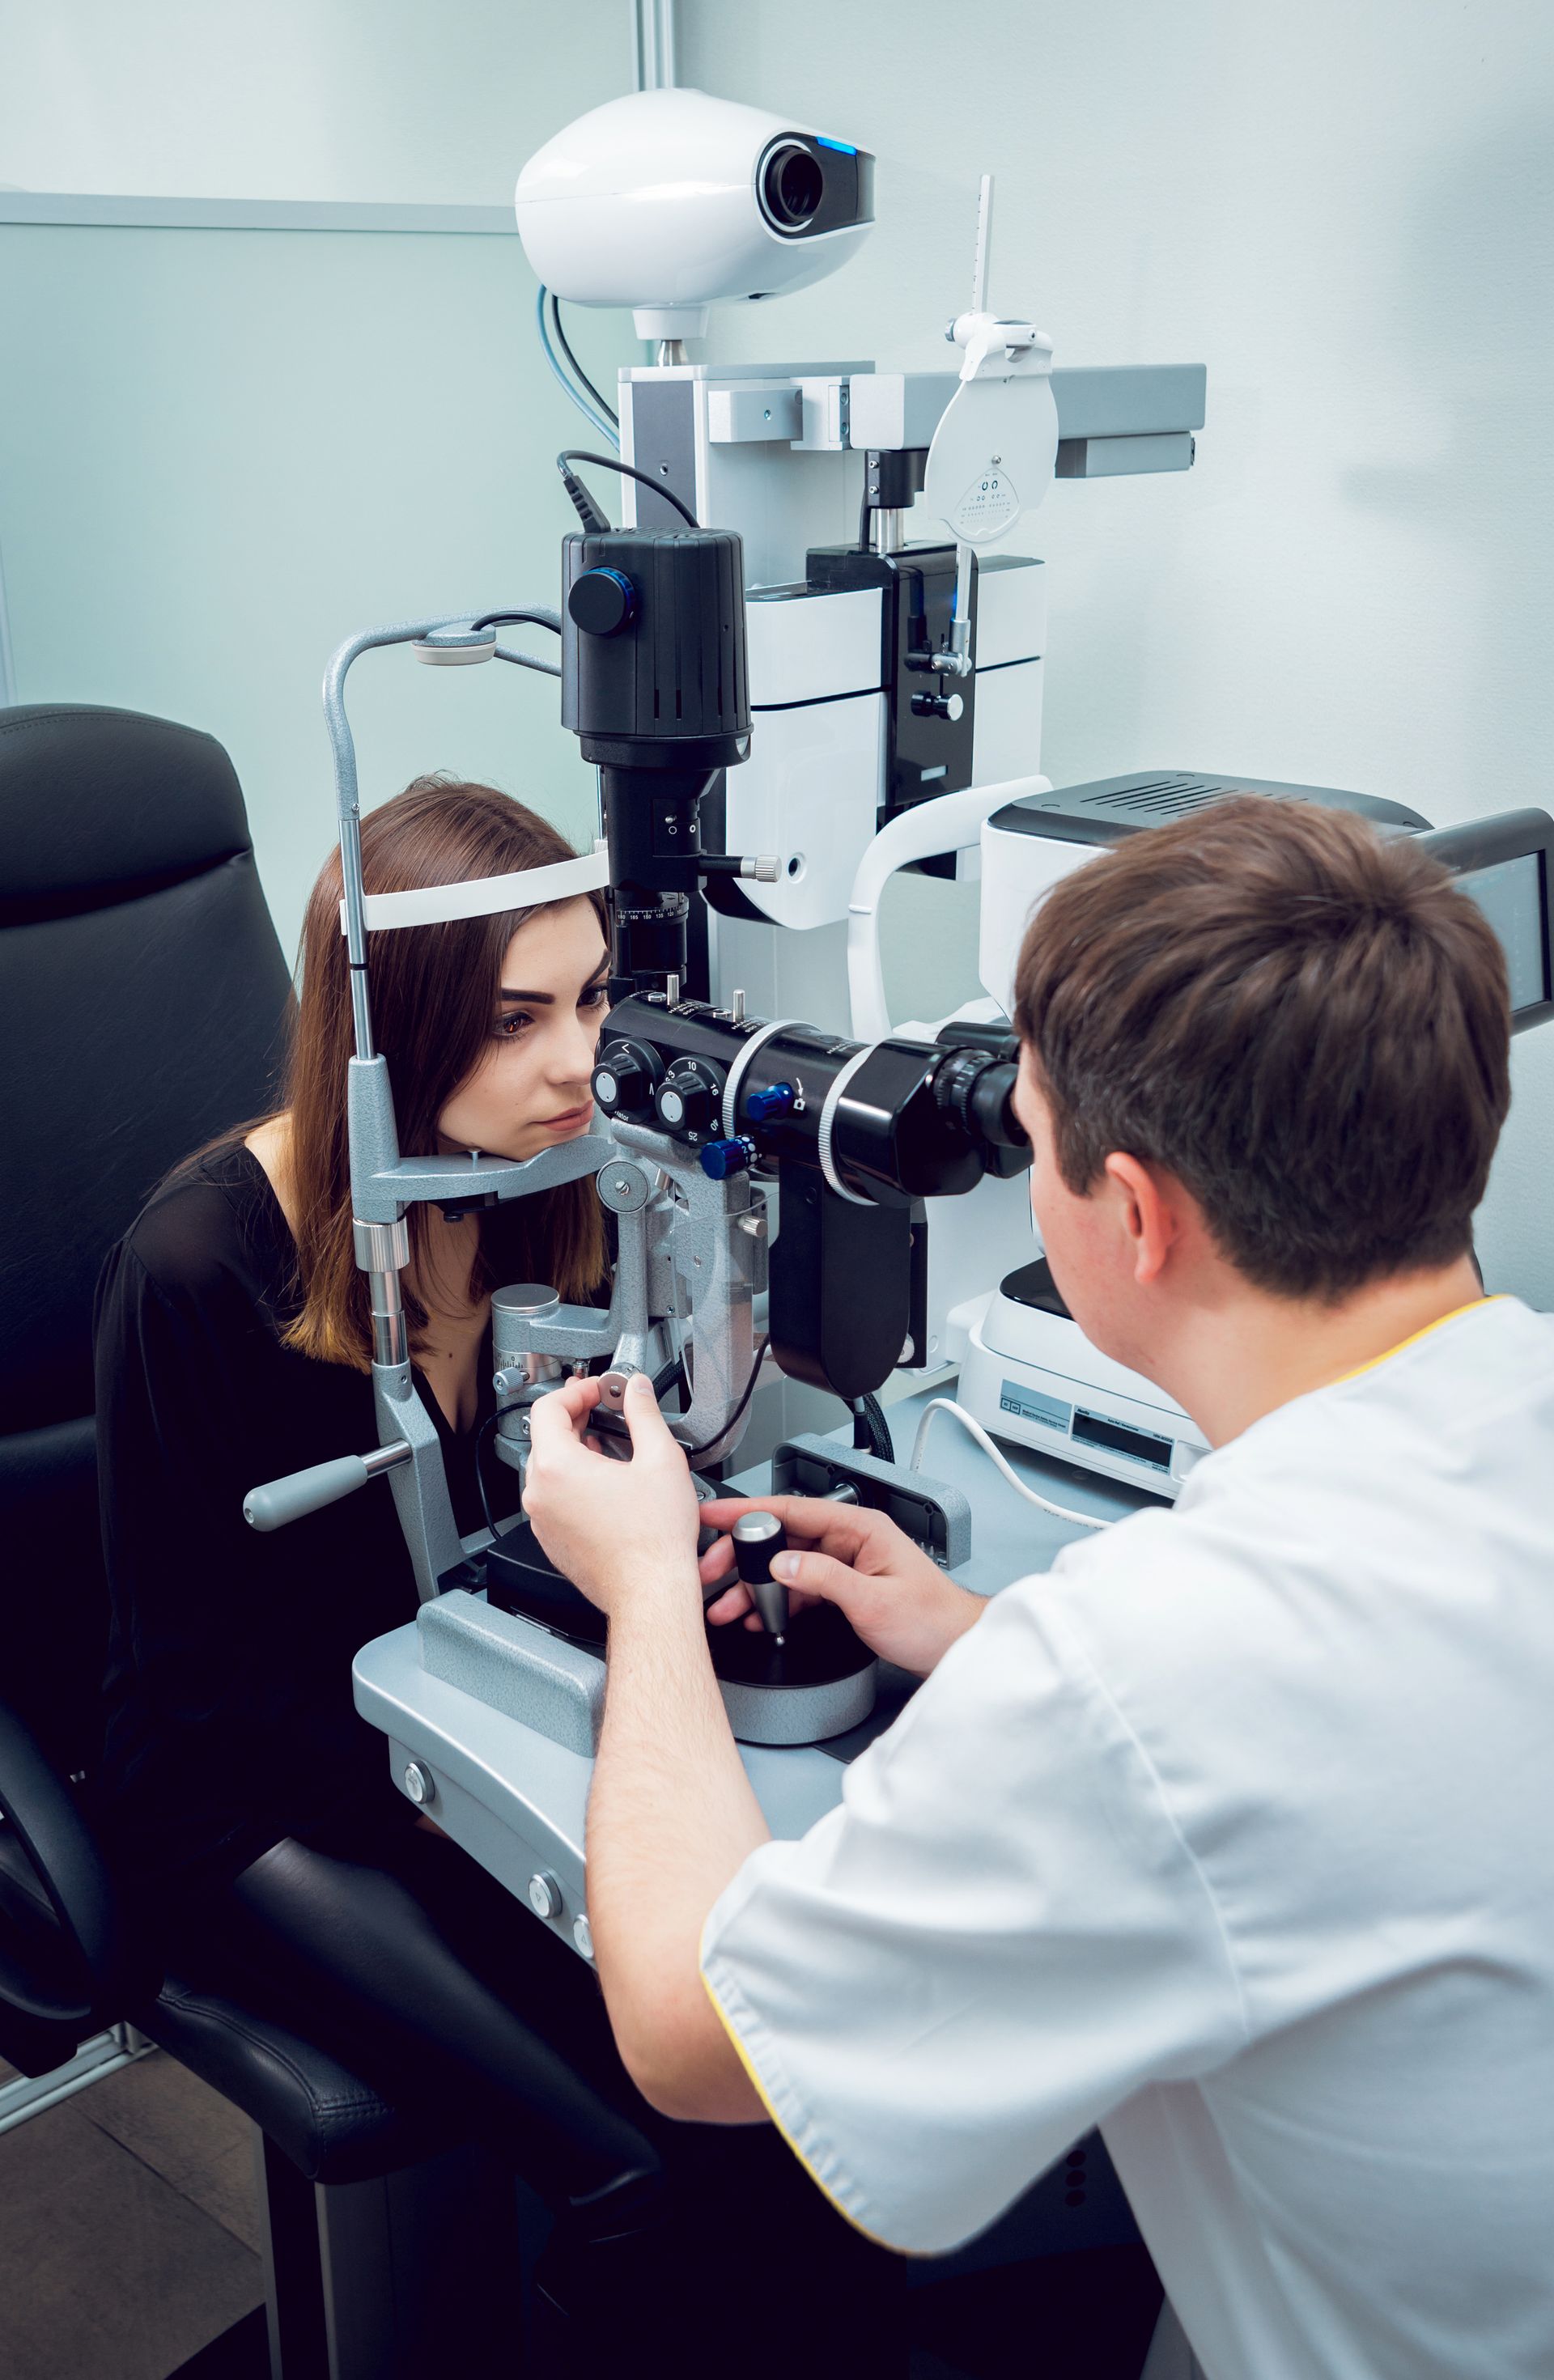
{"x": 1149, "y": 1203}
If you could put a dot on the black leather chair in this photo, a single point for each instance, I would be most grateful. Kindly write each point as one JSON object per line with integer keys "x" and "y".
{"x": 144, "y": 997}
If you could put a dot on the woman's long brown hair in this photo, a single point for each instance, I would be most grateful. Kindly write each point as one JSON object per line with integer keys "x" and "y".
{"x": 433, "y": 991}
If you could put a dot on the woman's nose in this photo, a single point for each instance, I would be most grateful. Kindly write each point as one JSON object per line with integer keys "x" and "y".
{"x": 573, "y": 1050}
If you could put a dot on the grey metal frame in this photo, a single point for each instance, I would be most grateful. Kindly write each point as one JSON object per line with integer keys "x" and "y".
{"x": 26, "y": 2095}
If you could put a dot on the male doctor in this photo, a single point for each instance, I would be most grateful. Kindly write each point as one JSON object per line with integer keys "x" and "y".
{"x": 1233, "y": 1832}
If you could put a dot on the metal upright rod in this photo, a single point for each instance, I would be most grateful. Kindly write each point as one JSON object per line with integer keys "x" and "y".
{"x": 406, "y": 632}
{"x": 984, "y": 246}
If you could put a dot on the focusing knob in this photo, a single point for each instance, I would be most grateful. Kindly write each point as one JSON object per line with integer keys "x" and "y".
{"x": 722, "y": 1157}
{"x": 689, "y": 1099}
{"x": 623, "y": 1079}
{"x": 775, "y": 1101}
{"x": 602, "y": 602}
{"x": 939, "y": 706}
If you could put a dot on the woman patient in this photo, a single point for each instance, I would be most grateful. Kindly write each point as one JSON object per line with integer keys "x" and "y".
{"x": 232, "y": 1345}
{"x": 242, "y": 1791}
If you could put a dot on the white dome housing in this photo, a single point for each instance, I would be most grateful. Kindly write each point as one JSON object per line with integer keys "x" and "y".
{"x": 669, "y": 201}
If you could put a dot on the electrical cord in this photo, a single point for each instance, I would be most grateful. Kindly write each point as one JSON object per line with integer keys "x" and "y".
{"x": 488, "y": 1424}
{"x": 565, "y": 344}
{"x": 537, "y": 616}
{"x": 596, "y": 420}
{"x": 737, "y": 1415}
{"x": 627, "y": 471}
{"x": 871, "y": 1431}
{"x": 1059, "y": 1511}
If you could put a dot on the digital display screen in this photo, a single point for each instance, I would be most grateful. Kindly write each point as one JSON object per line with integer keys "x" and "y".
{"x": 1512, "y": 895}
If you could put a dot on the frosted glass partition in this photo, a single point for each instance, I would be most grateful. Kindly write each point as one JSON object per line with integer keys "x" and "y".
{"x": 222, "y": 452}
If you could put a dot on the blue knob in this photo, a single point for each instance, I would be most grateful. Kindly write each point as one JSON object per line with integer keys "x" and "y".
{"x": 722, "y": 1157}
{"x": 775, "y": 1101}
{"x": 602, "y": 602}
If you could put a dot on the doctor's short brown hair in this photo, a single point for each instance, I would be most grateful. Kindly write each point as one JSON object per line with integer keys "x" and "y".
{"x": 1305, "y": 1022}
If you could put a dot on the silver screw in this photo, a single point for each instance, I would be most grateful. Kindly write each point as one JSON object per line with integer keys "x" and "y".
{"x": 582, "y": 1934}
{"x": 544, "y": 1894}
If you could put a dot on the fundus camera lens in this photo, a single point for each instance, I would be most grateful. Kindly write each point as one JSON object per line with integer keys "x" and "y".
{"x": 792, "y": 187}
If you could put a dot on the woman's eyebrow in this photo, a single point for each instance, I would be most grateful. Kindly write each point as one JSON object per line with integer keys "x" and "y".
{"x": 548, "y": 999}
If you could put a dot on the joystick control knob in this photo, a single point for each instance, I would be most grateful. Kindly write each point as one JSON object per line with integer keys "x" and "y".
{"x": 757, "y": 1536}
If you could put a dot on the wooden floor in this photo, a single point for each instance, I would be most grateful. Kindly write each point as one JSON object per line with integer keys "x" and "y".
{"x": 128, "y": 2228}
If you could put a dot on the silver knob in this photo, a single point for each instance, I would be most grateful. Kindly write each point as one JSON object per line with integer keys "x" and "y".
{"x": 582, "y": 1934}
{"x": 418, "y": 1784}
{"x": 544, "y": 1894}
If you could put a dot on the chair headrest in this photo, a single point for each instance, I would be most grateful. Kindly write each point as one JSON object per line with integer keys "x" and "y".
{"x": 99, "y": 806}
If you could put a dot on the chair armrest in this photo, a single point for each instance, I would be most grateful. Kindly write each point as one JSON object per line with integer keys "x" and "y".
{"x": 91, "y": 1953}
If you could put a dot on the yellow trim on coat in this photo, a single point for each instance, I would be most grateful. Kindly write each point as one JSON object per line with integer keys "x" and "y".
{"x": 1414, "y": 1336}
{"x": 762, "y": 2094}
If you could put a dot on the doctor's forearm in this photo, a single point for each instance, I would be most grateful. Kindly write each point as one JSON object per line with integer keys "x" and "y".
{"x": 672, "y": 1819}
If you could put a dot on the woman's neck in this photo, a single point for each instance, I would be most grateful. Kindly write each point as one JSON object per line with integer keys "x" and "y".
{"x": 440, "y": 1275}
{"x": 268, "y": 1145}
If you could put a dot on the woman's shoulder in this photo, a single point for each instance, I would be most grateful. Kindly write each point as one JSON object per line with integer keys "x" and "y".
{"x": 213, "y": 1223}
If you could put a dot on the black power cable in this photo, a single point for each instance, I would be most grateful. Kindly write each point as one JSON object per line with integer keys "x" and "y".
{"x": 592, "y": 517}
{"x": 566, "y": 345}
{"x": 540, "y": 618}
{"x": 488, "y": 1424}
{"x": 537, "y": 617}
{"x": 694, "y": 1453}
{"x": 871, "y": 1431}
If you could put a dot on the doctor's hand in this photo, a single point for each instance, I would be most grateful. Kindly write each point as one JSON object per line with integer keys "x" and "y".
{"x": 613, "y": 1528}
{"x": 899, "y": 1601}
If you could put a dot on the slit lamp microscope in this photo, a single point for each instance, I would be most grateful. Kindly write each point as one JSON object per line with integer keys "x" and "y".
{"x": 784, "y": 710}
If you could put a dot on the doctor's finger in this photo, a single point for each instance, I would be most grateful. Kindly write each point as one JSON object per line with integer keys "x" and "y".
{"x": 817, "y": 1577}
{"x": 650, "y": 1435}
{"x": 843, "y": 1529}
{"x": 555, "y": 1419}
{"x": 735, "y": 1604}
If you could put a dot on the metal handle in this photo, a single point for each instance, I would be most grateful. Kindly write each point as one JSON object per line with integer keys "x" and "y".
{"x": 300, "y": 1493}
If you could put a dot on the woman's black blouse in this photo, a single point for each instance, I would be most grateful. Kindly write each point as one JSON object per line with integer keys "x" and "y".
{"x": 229, "y": 1716}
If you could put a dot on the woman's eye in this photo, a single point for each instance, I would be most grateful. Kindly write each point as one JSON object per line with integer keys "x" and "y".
{"x": 596, "y": 996}
{"x": 512, "y": 1028}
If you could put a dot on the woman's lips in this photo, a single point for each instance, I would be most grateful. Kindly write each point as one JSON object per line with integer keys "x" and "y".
{"x": 570, "y": 1120}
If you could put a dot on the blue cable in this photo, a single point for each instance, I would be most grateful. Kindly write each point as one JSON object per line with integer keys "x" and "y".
{"x": 595, "y": 420}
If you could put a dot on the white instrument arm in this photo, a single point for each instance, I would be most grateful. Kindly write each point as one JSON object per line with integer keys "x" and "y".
{"x": 953, "y": 822}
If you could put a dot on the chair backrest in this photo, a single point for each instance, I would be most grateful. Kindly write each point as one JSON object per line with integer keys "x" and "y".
{"x": 142, "y": 1004}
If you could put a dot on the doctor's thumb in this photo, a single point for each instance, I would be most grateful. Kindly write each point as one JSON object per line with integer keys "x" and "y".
{"x": 815, "y": 1574}
{"x": 639, "y": 1410}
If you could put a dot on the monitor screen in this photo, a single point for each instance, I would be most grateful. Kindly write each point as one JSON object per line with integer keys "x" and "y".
{"x": 1512, "y": 895}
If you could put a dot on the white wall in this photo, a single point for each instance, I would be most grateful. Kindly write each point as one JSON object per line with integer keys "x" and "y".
{"x": 1347, "y": 208}
{"x": 222, "y": 452}
{"x": 297, "y": 99}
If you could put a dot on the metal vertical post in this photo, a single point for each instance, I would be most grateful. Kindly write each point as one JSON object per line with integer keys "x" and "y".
{"x": 653, "y": 44}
